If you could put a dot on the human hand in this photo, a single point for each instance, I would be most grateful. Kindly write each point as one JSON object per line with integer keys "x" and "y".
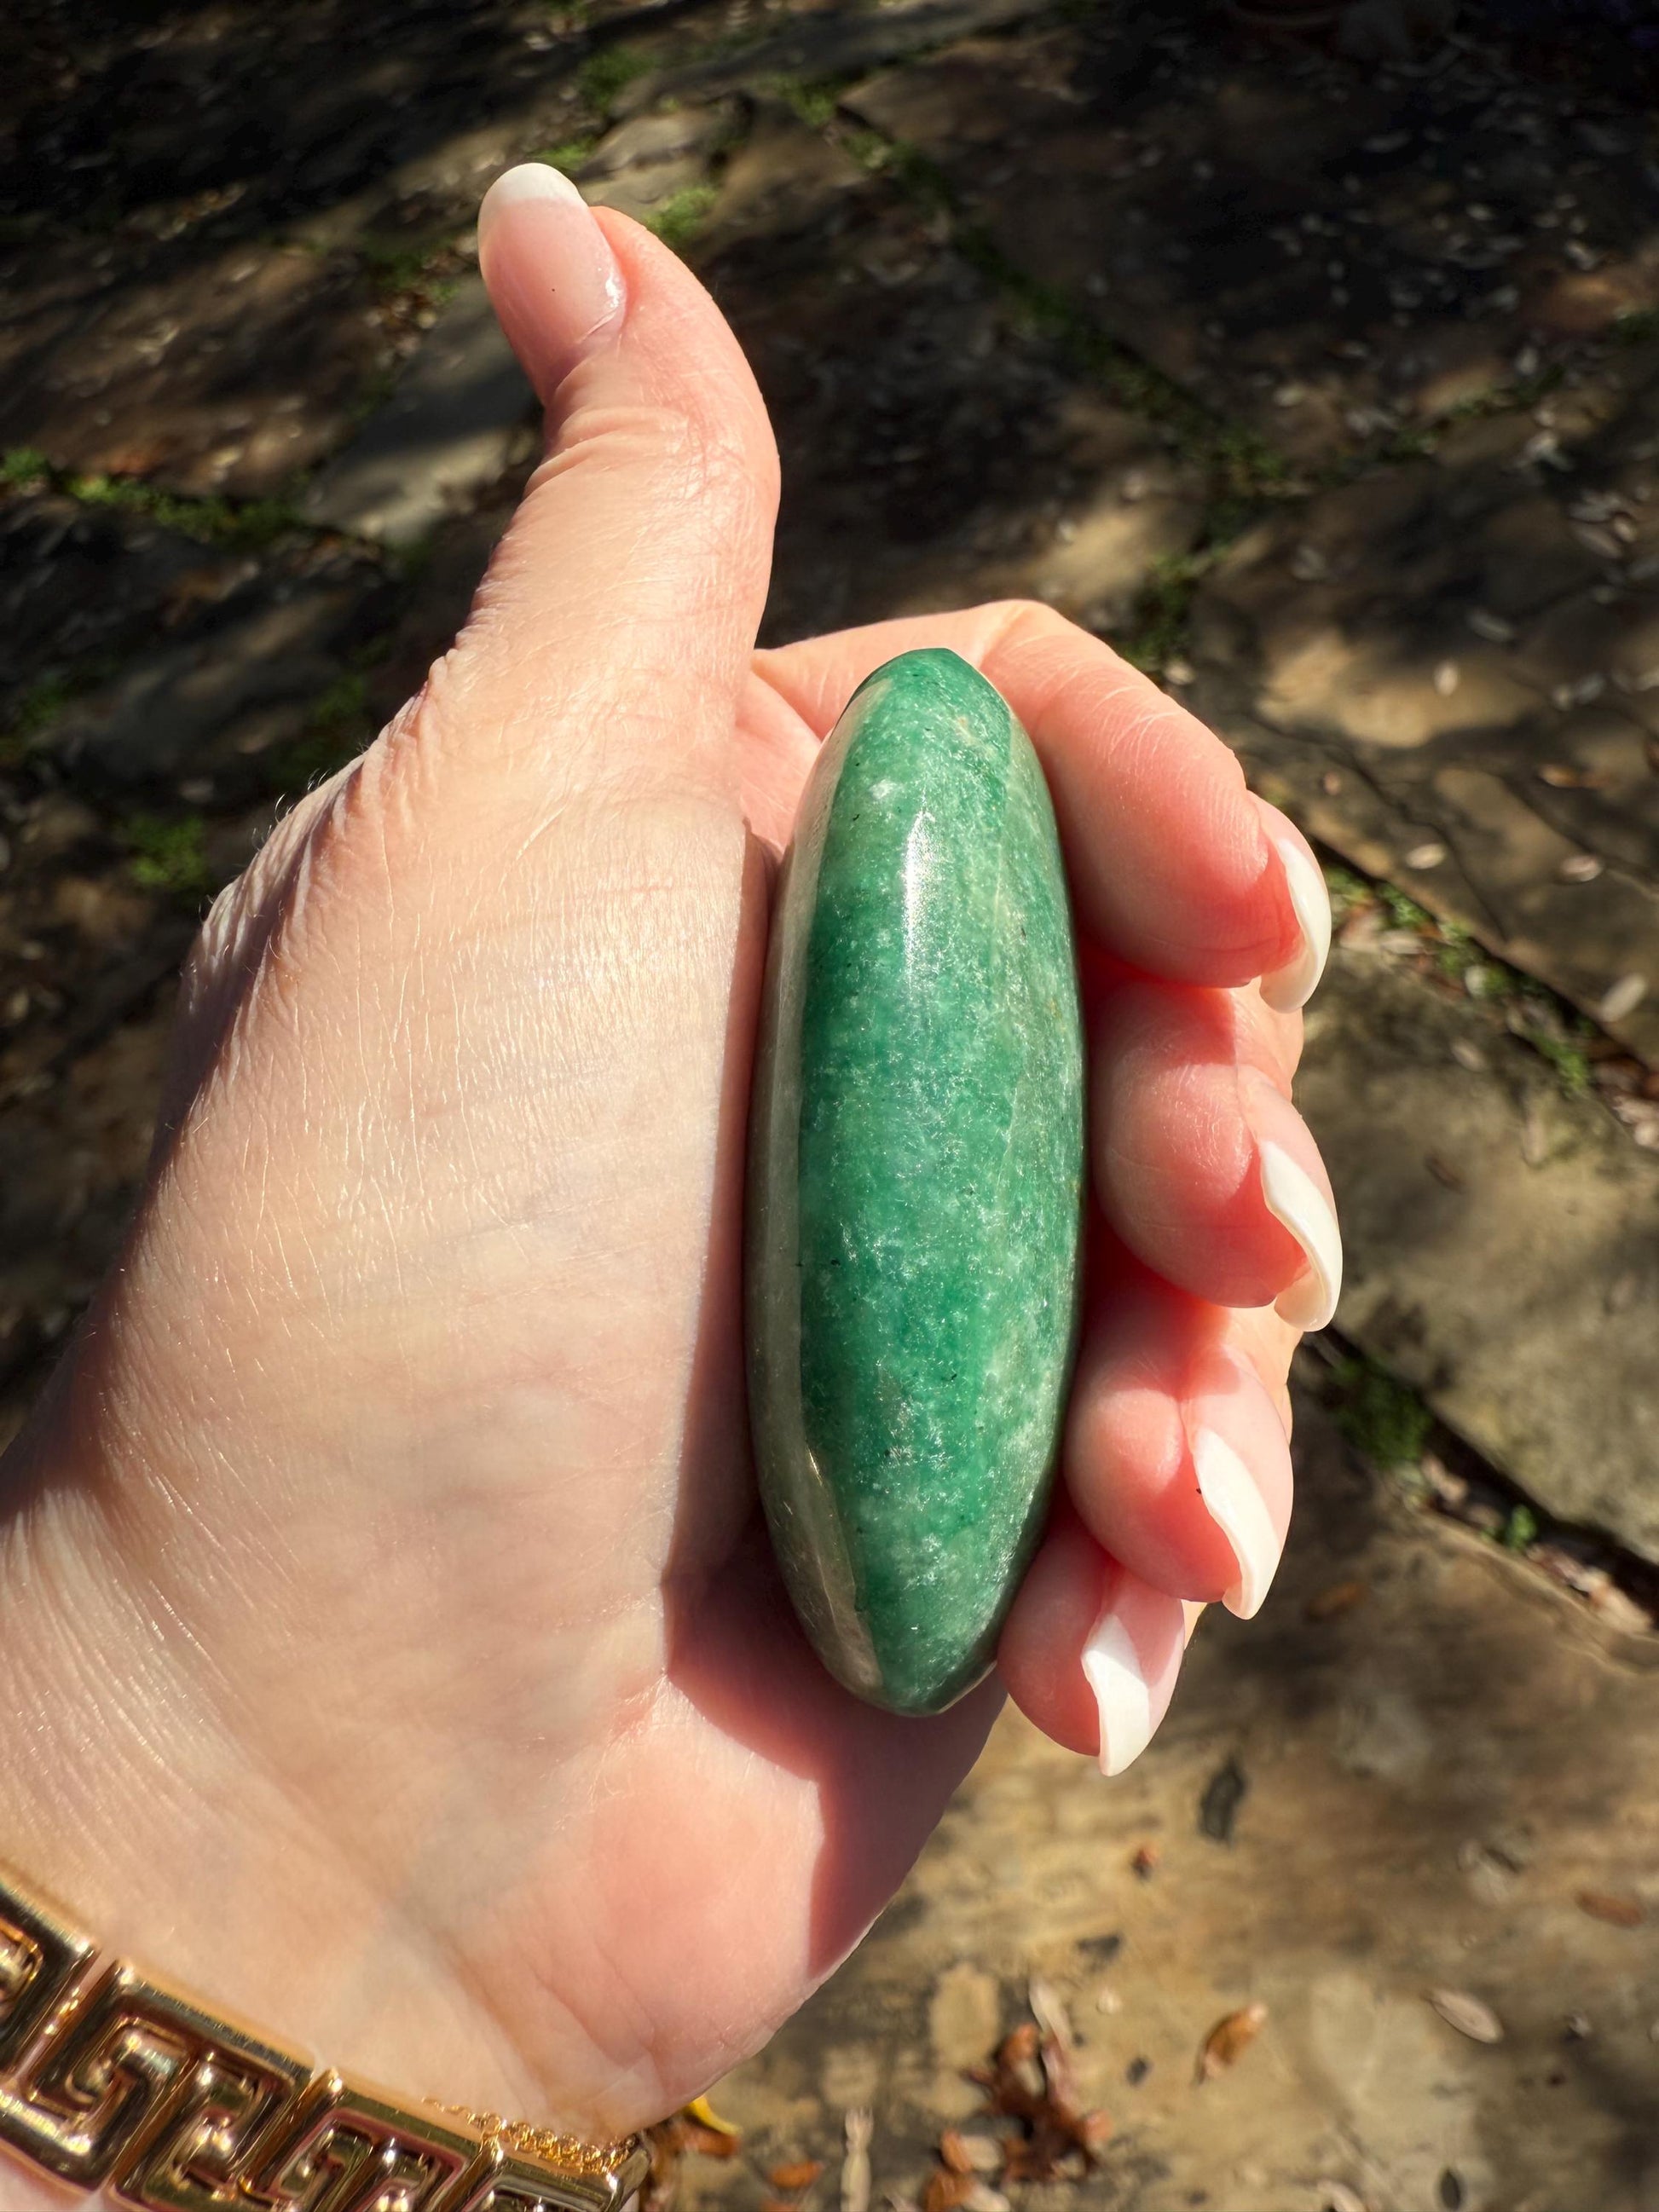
{"x": 393, "y": 1645}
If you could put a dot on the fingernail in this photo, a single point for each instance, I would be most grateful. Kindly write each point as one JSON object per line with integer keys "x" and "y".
{"x": 1292, "y": 986}
{"x": 1294, "y": 1200}
{"x": 1233, "y": 1499}
{"x": 1131, "y": 1659}
{"x": 551, "y": 274}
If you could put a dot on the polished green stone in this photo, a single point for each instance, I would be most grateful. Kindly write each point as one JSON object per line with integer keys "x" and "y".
{"x": 915, "y": 1182}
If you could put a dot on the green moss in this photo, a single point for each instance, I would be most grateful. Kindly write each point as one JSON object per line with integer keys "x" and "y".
{"x": 569, "y": 154}
{"x": 169, "y": 854}
{"x": 868, "y": 148}
{"x": 1347, "y": 891}
{"x": 677, "y": 218}
{"x": 36, "y": 710}
{"x": 1455, "y": 950}
{"x": 373, "y": 392}
{"x": 814, "y": 101}
{"x": 249, "y": 524}
{"x": 1567, "y": 1057}
{"x": 1382, "y": 1418}
{"x": 1402, "y": 909}
{"x": 392, "y": 265}
{"x": 22, "y": 467}
{"x": 1158, "y": 629}
{"x": 605, "y": 75}
{"x": 1416, "y": 444}
{"x": 1521, "y": 1529}
{"x": 1243, "y": 469}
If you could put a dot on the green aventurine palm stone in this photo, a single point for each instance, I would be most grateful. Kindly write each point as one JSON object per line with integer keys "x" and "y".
{"x": 915, "y": 1184}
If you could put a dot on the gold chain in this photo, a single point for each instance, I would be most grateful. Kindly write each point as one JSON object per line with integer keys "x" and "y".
{"x": 570, "y": 2153}
{"x": 112, "y": 2078}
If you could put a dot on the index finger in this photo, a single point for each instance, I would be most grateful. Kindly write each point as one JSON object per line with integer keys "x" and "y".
{"x": 1174, "y": 865}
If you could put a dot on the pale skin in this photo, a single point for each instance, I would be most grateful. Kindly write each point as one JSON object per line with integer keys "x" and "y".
{"x": 388, "y": 1642}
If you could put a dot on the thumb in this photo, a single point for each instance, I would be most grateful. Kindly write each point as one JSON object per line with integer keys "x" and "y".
{"x": 620, "y": 610}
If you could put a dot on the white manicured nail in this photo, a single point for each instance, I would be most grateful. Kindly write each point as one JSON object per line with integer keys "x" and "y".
{"x": 1294, "y": 1199}
{"x": 551, "y": 274}
{"x": 529, "y": 180}
{"x": 1122, "y": 1691}
{"x": 1233, "y": 1497}
{"x": 1294, "y": 985}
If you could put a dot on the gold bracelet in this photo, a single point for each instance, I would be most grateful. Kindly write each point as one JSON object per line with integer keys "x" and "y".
{"x": 109, "y": 2078}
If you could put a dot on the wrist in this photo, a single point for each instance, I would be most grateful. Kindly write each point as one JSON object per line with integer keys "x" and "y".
{"x": 132, "y": 1802}
{"x": 111, "y": 2078}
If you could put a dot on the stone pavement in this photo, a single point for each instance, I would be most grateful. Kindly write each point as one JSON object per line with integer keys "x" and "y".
{"x": 1439, "y": 1760}
{"x": 1330, "y": 393}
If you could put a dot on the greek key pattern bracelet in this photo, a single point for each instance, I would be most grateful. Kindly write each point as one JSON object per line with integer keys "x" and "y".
{"x": 110, "y": 2080}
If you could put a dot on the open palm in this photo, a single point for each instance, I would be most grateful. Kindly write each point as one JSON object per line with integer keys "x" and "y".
{"x": 398, "y": 1653}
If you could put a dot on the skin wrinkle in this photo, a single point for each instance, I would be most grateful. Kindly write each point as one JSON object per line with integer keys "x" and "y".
{"x": 661, "y": 550}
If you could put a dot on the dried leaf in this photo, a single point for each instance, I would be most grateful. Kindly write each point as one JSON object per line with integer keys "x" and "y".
{"x": 795, "y": 2174}
{"x": 710, "y": 2142}
{"x": 943, "y": 2191}
{"x": 1094, "y": 2133}
{"x": 952, "y": 2154}
{"x": 857, "y": 2128}
{"x": 705, "y": 2116}
{"x": 982, "y": 2153}
{"x": 1467, "y": 2015}
{"x": 141, "y": 460}
{"x": 1362, "y": 929}
{"x": 1042, "y": 2096}
{"x": 1019, "y": 2080}
{"x": 1623, "y": 998}
{"x": 1560, "y": 776}
{"x": 697, "y": 2128}
{"x": 981, "y": 2198}
{"x": 1048, "y": 2011}
{"x": 1339, "y": 1598}
{"x": 1055, "y": 2029}
{"x": 1618, "y": 1911}
{"x": 1229, "y": 2039}
{"x": 1443, "y": 1171}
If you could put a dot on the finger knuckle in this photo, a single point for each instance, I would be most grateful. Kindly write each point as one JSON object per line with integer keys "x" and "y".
{"x": 1030, "y": 622}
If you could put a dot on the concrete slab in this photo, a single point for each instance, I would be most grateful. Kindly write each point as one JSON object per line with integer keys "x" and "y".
{"x": 445, "y": 435}
{"x": 1435, "y": 1772}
